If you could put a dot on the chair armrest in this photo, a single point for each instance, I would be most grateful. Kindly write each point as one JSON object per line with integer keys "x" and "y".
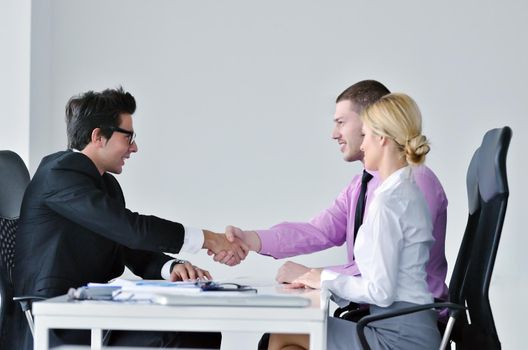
{"x": 404, "y": 311}
{"x": 25, "y": 304}
{"x": 26, "y": 301}
{"x": 355, "y": 309}
{"x": 349, "y": 308}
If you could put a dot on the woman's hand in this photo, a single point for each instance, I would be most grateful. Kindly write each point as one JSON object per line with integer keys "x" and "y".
{"x": 311, "y": 279}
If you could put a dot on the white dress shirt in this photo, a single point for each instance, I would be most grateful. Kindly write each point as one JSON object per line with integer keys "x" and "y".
{"x": 392, "y": 248}
{"x": 192, "y": 243}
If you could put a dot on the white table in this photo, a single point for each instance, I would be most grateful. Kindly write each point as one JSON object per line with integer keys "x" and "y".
{"x": 59, "y": 313}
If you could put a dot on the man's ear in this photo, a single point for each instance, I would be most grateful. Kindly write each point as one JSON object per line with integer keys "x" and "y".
{"x": 97, "y": 137}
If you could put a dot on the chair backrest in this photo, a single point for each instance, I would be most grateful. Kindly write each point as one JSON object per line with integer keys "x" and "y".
{"x": 487, "y": 187}
{"x": 14, "y": 178}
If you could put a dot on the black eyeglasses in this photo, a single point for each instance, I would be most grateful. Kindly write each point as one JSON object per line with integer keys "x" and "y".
{"x": 131, "y": 134}
{"x": 224, "y": 287}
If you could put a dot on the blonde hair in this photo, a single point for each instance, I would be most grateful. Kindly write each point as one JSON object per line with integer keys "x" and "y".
{"x": 398, "y": 117}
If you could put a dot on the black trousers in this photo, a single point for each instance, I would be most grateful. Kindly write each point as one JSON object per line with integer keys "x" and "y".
{"x": 157, "y": 339}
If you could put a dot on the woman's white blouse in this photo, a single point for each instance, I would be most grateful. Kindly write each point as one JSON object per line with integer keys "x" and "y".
{"x": 391, "y": 248}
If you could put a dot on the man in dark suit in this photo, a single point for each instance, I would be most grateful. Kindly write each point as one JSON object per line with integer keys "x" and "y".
{"x": 74, "y": 227}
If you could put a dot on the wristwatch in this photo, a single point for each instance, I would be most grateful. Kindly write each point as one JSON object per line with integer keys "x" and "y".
{"x": 176, "y": 262}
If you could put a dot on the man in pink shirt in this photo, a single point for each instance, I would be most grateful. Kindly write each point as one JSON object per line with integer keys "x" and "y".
{"x": 338, "y": 223}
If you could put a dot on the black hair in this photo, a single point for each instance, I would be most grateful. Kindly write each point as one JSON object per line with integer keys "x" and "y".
{"x": 364, "y": 93}
{"x": 90, "y": 110}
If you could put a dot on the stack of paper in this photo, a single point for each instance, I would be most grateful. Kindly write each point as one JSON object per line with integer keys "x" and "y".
{"x": 146, "y": 289}
{"x": 202, "y": 293}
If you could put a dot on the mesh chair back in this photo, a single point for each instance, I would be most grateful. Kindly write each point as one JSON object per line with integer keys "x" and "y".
{"x": 488, "y": 192}
{"x": 14, "y": 178}
{"x": 7, "y": 245}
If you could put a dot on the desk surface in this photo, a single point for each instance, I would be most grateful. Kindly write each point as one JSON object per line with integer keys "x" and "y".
{"x": 60, "y": 306}
{"x": 97, "y": 315}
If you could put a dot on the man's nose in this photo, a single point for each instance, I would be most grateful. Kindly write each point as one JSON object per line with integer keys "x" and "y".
{"x": 335, "y": 133}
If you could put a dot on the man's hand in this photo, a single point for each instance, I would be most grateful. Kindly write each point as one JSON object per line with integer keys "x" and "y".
{"x": 311, "y": 279}
{"x": 187, "y": 271}
{"x": 235, "y": 250}
{"x": 250, "y": 238}
{"x": 290, "y": 271}
{"x": 233, "y": 233}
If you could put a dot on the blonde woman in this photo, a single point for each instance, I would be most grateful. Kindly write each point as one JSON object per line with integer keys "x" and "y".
{"x": 392, "y": 246}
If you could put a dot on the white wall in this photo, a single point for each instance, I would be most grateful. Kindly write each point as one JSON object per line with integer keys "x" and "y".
{"x": 236, "y": 101}
{"x": 42, "y": 128}
{"x": 14, "y": 76}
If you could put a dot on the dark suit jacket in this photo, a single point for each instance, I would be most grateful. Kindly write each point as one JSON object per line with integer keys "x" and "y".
{"x": 74, "y": 228}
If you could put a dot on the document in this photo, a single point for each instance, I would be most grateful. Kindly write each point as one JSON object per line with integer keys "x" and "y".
{"x": 199, "y": 293}
{"x": 148, "y": 290}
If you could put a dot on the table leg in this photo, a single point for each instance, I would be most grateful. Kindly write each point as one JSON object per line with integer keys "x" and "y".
{"x": 316, "y": 341}
{"x": 41, "y": 341}
{"x": 318, "y": 337}
{"x": 97, "y": 339}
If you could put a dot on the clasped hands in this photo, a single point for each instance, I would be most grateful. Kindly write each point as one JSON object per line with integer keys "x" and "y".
{"x": 241, "y": 242}
{"x": 230, "y": 248}
{"x": 233, "y": 251}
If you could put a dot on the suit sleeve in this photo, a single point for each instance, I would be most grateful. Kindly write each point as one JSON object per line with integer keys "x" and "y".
{"x": 75, "y": 196}
{"x": 145, "y": 264}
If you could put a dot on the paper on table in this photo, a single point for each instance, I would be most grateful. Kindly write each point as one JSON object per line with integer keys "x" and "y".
{"x": 122, "y": 282}
{"x": 147, "y": 289}
{"x": 199, "y": 297}
{"x": 137, "y": 288}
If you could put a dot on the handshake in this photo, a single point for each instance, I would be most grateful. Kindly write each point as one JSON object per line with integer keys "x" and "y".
{"x": 233, "y": 246}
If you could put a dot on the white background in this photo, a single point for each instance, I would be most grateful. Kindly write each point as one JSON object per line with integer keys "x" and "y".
{"x": 236, "y": 99}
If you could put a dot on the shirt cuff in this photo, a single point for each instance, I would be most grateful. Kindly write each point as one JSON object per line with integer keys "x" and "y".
{"x": 349, "y": 269}
{"x": 328, "y": 275}
{"x": 165, "y": 270}
{"x": 268, "y": 242}
{"x": 193, "y": 240}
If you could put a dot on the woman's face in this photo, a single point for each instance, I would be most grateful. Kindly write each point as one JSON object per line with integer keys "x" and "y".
{"x": 371, "y": 148}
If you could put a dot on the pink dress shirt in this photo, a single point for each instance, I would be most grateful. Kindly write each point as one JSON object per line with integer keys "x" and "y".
{"x": 335, "y": 226}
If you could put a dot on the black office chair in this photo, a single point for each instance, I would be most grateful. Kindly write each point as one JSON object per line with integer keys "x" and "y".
{"x": 488, "y": 192}
{"x": 14, "y": 178}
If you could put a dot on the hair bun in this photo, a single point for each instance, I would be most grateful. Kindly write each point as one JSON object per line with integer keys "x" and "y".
{"x": 416, "y": 148}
